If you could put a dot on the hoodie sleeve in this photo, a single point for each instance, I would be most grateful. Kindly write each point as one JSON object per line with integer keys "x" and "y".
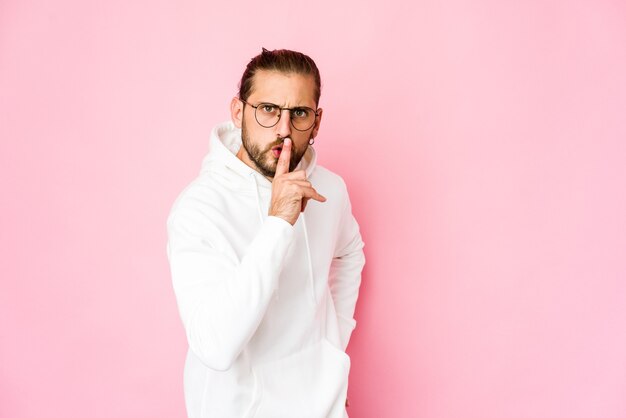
{"x": 222, "y": 299}
{"x": 345, "y": 272}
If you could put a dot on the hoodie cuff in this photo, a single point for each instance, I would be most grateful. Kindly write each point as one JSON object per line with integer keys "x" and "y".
{"x": 278, "y": 223}
{"x": 274, "y": 240}
{"x": 278, "y": 230}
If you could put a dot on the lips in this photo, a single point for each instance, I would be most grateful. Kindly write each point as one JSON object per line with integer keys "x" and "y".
{"x": 277, "y": 150}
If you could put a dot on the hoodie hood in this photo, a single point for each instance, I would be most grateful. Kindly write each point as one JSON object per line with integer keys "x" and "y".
{"x": 222, "y": 161}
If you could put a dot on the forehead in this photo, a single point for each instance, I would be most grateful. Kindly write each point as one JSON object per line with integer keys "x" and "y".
{"x": 284, "y": 89}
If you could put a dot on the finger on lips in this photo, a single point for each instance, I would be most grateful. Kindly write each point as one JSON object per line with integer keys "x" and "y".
{"x": 282, "y": 167}
{"x": 297, "y": 177}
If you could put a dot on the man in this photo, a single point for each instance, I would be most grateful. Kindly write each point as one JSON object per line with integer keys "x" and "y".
{"x": 266, "y": 257}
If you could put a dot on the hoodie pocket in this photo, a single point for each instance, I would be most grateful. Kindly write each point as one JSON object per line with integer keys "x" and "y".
{"x": 311, "y": 383}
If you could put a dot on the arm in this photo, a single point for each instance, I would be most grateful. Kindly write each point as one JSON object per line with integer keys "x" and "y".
{"x": 221, "y": 299}
{"x": 345, "y": 272}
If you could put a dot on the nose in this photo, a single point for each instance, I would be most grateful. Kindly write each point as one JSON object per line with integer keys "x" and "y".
{"x": 283, "y": 127}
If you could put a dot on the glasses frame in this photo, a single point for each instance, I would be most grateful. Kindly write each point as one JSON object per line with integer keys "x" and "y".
{"x": 281, "y": 114}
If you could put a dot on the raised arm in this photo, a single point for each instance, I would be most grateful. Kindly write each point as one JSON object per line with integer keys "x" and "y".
{"x": 222, "y": 299}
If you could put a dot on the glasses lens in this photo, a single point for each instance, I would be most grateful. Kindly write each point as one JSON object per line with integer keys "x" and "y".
{"x": 302, "y": 118}
{"x": 267, "y": 114}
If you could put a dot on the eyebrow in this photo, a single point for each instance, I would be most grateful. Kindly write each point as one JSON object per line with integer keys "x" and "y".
{"x": 292, "y": 107}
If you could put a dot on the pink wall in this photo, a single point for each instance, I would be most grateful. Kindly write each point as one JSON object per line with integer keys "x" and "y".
{"x": 484, "y": 144}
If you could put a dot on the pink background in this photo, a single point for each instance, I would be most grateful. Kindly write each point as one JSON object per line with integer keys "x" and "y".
{"x": 483, "y": 142}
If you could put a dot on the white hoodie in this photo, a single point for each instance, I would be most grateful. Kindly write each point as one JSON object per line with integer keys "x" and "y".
{"x": 267, "y": 307}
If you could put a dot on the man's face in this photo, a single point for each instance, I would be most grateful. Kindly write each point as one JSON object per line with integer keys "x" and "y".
{"x": 261, "y": 146}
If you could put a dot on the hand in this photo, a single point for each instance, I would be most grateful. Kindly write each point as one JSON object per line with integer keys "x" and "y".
{"x": 290, "y": 191}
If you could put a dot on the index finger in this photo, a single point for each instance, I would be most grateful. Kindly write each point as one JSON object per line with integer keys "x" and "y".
{"x": 282, "y": 167}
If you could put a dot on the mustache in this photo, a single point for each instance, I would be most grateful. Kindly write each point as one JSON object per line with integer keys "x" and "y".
{"x": 279, "y": 141}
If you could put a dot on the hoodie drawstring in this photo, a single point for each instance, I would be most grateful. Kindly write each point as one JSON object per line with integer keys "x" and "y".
{"x": 308, "y": 252}
{"x": 258, "y": 206}
{"x": 258, "y": 196}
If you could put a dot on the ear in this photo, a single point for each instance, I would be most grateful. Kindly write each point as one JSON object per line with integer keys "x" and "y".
{"x": 236, "y": 111}
{"x": 318, "y": 120}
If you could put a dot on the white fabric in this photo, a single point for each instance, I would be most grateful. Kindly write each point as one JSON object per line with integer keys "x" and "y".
{"x": 267, "y": 307}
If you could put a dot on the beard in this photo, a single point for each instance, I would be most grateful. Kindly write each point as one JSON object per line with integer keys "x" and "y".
{"x": 263, "y": 159}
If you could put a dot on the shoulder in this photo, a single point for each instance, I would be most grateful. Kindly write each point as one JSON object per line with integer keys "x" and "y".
{"x": 331, "y": 185}
{"x": 323, "y": 177}
{"x": 195, "y": 204}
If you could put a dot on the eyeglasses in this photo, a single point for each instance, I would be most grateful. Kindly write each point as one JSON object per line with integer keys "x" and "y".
{"x": 268, "y": 114}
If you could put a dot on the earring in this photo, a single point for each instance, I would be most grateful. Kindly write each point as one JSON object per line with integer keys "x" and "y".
{"x": 311, "y": 141}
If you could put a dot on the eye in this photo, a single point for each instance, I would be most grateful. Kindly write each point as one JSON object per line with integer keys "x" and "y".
{"x": 268, "y": 107}
{"x": 300, "y": 112}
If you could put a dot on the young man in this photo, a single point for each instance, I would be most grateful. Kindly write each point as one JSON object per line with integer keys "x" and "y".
{"x": 266, "y": 257}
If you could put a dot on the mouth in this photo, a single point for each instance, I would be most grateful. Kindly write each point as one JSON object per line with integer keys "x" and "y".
{"x": 277, "y": 150}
